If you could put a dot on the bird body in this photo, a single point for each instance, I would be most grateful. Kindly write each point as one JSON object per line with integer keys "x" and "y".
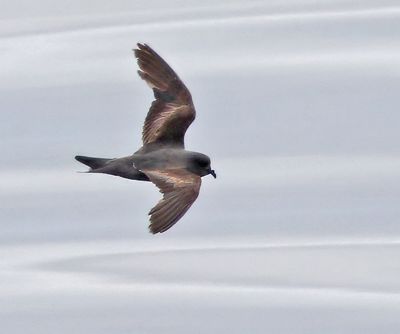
{"x": 162, "y": 159}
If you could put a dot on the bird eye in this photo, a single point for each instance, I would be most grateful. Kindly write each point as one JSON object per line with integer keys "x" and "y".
{"x": 203, "y": 163}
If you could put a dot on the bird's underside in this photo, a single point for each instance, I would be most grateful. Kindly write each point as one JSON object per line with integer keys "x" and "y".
{"x": 162, "y": 158}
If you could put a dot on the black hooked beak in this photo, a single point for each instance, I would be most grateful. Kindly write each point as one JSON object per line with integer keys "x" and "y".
{"x": 212, "y": 172}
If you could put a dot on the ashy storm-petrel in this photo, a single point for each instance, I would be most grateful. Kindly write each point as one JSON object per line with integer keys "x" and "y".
{"x": 162, "y": 159}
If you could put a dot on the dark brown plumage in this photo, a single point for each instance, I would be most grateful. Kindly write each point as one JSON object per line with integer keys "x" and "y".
{"x": 180, "y": 189}
{"x": 172, "y": 111}
{"x": 162, "y": 159}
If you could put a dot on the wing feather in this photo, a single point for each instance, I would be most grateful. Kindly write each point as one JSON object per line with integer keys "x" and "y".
{"x": 172, "y": 111}
{"x": 180, "y": 189}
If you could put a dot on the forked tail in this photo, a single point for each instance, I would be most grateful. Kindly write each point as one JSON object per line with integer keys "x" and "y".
{"x": 93, "y": 163}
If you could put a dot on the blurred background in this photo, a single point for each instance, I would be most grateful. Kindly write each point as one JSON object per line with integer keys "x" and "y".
{"x": 297, "y": 105}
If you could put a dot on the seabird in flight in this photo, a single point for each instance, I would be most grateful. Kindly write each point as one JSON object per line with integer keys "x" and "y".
{"x": 162, "y": 159}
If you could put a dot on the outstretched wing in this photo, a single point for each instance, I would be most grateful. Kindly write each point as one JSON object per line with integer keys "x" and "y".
{"x": 180, "y": 189}
{"x": 172, "y": 111}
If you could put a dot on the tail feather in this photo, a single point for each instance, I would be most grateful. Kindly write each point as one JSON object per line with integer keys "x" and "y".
{"x": 93, "y": 163}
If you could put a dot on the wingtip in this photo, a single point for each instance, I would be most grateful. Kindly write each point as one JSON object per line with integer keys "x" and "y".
{"x": 138, "y": 47}
{"x": 141, "y": 46}
{"x": 152, "y": 230}
{"x": 141, "y": 50}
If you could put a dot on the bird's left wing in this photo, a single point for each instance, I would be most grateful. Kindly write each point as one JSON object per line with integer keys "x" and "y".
{"x": 180, "y": 189}
{"x": 172, "y": 111}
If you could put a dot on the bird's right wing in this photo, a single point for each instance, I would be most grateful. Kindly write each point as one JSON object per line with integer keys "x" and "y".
{"x": 172, "y": 111}
{"x": 180, "y": 189}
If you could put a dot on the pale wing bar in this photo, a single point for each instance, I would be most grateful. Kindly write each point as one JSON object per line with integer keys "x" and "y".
{"x": 180, "y": 189}
{"x": 172, "y": 111}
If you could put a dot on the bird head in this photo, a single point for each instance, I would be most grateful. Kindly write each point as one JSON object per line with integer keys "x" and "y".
{"x": 200, "y": 164}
